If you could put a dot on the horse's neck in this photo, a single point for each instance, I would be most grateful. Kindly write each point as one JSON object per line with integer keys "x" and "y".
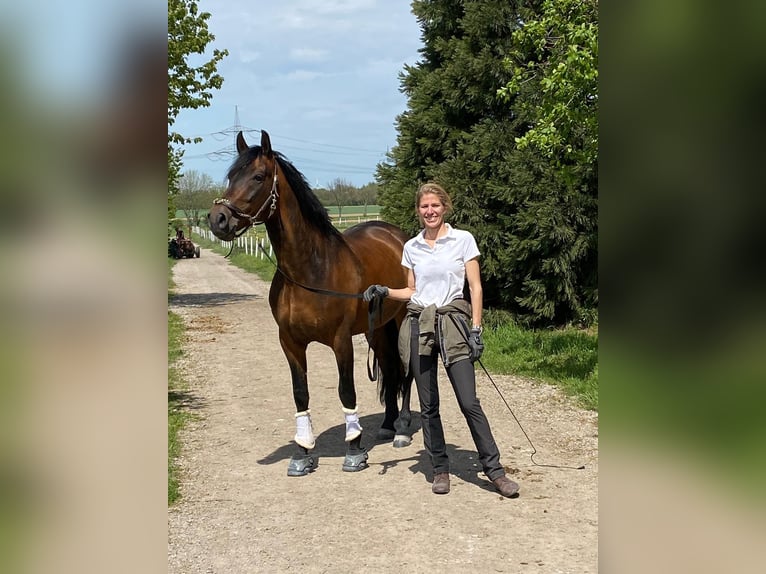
{"x": 297, "y": 242}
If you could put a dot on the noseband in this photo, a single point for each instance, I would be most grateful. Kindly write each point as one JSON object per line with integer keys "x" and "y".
{"x": 271, "y": 201}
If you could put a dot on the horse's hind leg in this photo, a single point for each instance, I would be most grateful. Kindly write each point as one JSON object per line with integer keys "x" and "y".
{"x": 402, "y": 423}
{"x": 302, "y": 462}
{"x": 394, "y": 382}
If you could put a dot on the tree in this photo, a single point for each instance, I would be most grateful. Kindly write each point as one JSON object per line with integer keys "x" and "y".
{"x": 340, "y": 191}
{"x": 555, "y": 68}
{"x": 189, "y": 87}
{"x": 532, "y": 215}
{"x": 554, "y": 64}
{"x": 368, "y": 195}
{"x": 196, "y": 192}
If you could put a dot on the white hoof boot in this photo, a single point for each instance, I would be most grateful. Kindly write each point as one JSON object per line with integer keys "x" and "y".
{"x": 304, "y": 432}
{"x": 353, "y": 428}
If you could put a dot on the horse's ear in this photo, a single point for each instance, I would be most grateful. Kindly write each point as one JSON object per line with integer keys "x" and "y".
{"x": 265, "y": 142}
{"x": 241, "y": 143}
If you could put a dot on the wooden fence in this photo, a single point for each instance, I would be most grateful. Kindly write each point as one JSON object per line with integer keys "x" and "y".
{"x": 253, "y": 242}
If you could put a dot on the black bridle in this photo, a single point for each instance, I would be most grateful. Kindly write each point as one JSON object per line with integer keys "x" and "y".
{"x": 251, "y": 220}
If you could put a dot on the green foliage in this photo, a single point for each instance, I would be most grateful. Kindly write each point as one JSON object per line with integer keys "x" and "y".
{"x": 555, "y": 71}
{"x": 196, "y": 193}
{"x": 567, "y": 358}
{"x": 189, "y": 86}
{"x": 367, "y": 195}
{"x": 534, "y": 215}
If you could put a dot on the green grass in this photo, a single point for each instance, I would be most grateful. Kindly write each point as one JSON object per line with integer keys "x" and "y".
{"x": 177, "y": 416}
{"x": 567, "y": 358}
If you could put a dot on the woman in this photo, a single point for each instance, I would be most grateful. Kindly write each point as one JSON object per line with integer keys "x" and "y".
{"x": 439, "y": 259}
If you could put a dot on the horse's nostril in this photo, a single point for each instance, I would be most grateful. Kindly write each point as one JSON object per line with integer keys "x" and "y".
{"x": 219, "y": 219}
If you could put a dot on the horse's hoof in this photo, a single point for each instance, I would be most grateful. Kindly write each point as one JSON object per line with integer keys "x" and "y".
{"x": 385, "y": 434}
{"x": 402, "y": 440}
{"x": 301, "y": 466}
{"x": 355, "y": 462}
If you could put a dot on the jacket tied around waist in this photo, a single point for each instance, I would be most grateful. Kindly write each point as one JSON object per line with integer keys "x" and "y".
{"x": 445, "y": 326}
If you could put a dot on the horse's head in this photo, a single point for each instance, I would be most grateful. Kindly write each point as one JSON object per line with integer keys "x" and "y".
{"x": 251, "y": 196}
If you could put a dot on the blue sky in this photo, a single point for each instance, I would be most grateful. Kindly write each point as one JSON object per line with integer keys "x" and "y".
{"x": 320, "y": 76}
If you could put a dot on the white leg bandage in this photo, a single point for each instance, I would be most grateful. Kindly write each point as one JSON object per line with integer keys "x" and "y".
{"x": 353, "y": 428}
{"x": 304, "y": 432}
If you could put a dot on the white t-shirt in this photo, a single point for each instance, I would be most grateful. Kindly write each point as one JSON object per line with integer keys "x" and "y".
{"x": 439, "y": 271}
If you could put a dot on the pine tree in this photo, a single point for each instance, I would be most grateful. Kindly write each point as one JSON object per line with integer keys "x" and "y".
{"x": 534, "y": 218}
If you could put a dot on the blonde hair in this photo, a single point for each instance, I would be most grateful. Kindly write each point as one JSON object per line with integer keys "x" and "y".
{"x": 438, "y": 191}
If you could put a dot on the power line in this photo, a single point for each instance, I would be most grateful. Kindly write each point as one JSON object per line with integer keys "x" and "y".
{"x": 229, "y": 152}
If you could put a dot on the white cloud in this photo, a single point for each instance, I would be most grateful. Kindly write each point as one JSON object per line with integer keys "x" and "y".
{"x": 341, "y": 6}
{"x": 247, "y": 56}
{"x": 308, "y": 55}
{"x": 325, "y": 15}
{"x": 302, "y": 75}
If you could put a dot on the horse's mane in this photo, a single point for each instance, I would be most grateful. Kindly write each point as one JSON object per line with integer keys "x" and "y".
{"x": 311, "y": 208}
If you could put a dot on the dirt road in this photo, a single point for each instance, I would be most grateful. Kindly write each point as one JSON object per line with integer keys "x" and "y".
{"x": 241, "y": 513}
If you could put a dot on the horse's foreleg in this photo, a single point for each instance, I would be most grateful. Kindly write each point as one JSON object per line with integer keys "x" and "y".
{"x": 344, "y": 357}
{"x": 353, "y": 427}
{"x": 302, "y": 462}
{"x": 356, "y": 455}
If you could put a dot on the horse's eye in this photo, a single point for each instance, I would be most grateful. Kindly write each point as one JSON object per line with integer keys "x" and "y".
{"x": 258, "y": 177}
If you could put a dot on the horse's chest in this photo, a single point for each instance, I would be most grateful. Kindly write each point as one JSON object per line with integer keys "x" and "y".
{"x": 306, "y": 318}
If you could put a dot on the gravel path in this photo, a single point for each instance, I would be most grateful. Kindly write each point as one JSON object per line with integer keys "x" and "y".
{"x": 240, "y": 513}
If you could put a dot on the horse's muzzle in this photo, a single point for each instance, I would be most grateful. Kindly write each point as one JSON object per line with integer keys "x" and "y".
{"x": 223, "y": 223}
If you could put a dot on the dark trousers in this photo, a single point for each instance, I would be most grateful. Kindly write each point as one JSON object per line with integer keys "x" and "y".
{"x": 463, "y": 378}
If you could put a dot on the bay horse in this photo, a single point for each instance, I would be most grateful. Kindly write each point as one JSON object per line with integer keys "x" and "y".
{"x": 315, "y": 294}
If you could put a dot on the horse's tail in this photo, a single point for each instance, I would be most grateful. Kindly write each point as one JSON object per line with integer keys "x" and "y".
{"x": 392, "y": 377}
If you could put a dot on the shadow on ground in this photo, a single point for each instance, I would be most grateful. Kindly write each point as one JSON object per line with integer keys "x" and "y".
{"x": 330, "y": 443}
{"x": 209, "y": 299}
{"x": 185, "y": 400}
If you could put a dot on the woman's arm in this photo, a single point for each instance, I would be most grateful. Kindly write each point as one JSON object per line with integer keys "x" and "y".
{"x": 473, "y": 275}
{"x": 404, "y": 293}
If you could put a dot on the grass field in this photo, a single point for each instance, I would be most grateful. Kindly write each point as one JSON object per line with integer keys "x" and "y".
{"x": 567, "y": 357}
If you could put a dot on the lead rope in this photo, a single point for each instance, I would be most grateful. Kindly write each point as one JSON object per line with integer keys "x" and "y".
{"x": 534, "y": 450}
{"x": 463, "y": 329}
{"x": 374, "y": 311}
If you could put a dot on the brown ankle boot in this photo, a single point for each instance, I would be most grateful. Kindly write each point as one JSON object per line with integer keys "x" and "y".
{"x": 441, "y": 483}
{"x": 506, "y": 486}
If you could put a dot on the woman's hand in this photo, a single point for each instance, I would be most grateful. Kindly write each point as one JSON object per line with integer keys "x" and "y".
{"x": 476, "y": 343}
{"x": 375, "y": 291}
